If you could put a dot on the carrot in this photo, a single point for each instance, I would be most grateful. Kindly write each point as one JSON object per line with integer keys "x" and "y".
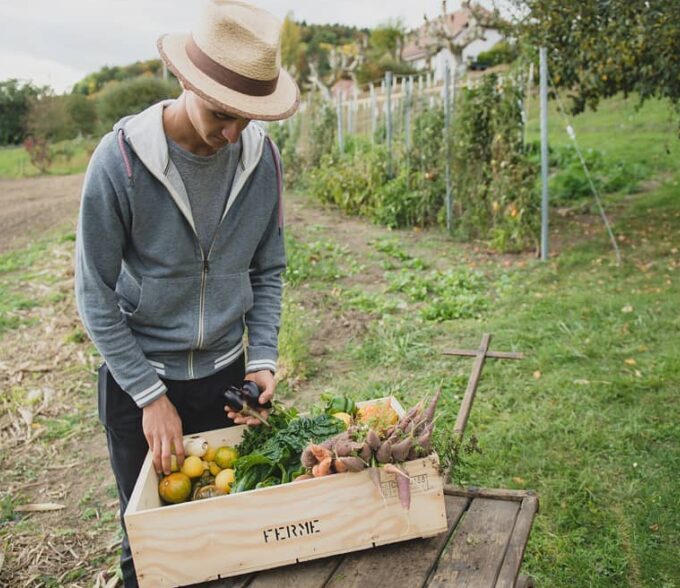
{"x": 320, "y": 452}
{"x": 323, "y": 468}
{"x": 303, "y": 477}
{"x": 374, "y": 474}
{"x": 410, "y": 416}
{"x": 340, "y": 467}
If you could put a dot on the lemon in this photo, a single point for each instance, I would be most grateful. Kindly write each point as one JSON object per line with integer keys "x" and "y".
{"x": 225, "y": 456}
{"x": 210, "y": 454}
{"x": 174, "y": 467}
{"x": 214, "y": 468}
{"x": 224, "y": 480}
{"x": 175, "y": 488}
{"x": 344, "y": 417}
{"x": 193, "y": 466}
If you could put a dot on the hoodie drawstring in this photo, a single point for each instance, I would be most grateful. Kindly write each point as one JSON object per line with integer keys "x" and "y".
{"x": 279, "y": 180}
{"x": 126, "y": 159}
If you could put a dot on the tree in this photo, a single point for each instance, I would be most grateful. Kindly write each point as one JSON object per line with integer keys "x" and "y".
{"x": 15, "y": 102}
{"x": 94, "y": 82}
{"x": 388, "y": 39}
{"x": 292, "y": 48}
{"x": 132, "y": 96}
{"x": 597, "y": 48}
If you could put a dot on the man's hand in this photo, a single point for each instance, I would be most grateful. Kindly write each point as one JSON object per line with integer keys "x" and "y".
{"x": 163, "y": 430}
{"x": 265, "y": 382}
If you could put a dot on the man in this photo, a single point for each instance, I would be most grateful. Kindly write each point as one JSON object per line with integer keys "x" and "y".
{"x": 180, "y": 244}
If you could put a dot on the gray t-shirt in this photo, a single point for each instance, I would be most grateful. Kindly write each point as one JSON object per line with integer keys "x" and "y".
{"x": 208, "y": 180}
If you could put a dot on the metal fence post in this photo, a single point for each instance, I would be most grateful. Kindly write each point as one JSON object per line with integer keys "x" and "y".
{"x": 544, "y": 152}
{"x": 341, "y": 143}
{"x": 388, "y": 89}
{"x": 447, "y": 134}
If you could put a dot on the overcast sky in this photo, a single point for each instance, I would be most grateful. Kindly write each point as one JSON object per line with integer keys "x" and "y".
{"x": 58, "y": 42}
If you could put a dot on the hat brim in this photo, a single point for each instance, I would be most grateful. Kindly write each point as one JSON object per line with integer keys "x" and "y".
{"x": 281, "y": 104}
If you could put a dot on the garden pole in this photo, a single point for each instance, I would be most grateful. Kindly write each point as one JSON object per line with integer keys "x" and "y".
{"x": 388, "y": 89}
{"x": 374, "y": 113}
{"x": 447, "y": 134}
{"x": 341, "y": 144}
{"x": 544, "y": 152}
{"x": 407, "y": 109}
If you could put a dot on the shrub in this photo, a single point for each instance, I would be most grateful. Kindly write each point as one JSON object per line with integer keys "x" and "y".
{"x": 118, "y": 99}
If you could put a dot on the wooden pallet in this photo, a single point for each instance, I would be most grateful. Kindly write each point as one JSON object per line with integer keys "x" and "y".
{"x": 483, "y": 548}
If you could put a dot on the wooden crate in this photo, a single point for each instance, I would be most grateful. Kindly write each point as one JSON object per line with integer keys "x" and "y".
{"x": 260, "y": 529}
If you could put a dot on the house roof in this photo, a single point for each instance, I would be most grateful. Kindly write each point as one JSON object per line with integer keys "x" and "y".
{"x": 425, "y": 41}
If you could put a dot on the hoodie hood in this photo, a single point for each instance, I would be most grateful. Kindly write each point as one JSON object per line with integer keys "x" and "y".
{"x": 145, "y": 134}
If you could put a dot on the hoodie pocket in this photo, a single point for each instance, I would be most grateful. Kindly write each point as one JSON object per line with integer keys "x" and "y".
{"x": 168, "y": 311}
{"x": 129, "y": 293}
{"x": 227, "y": 298}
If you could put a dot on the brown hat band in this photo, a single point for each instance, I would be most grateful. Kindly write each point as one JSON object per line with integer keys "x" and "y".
{"x": 227, "y": 77}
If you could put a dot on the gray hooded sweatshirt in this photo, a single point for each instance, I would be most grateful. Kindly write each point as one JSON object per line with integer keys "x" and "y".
{"x": 153, "y": 302}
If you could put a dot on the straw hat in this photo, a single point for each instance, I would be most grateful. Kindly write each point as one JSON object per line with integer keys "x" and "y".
{"x": 232, "y": 59}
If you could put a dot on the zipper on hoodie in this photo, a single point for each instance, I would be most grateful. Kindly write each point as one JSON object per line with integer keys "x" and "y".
{"x": 201, "y": 308}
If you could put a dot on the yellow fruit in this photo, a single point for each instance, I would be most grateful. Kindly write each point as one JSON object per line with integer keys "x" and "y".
{"x": 174, "y": 467}
{"x": 214, "y": 468}
{"x": 210, "y": 454}
{"x": 224, "y": 480}
{"x": 193, "y": 466}
{"x": 226, "y": 456}
{"x": 175, "y": 488}
{"x": 344, "y": 417}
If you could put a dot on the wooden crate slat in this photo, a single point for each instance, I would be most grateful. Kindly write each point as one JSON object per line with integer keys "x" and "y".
{"x": 518, "y": 542}
{"x": 495, "y": 493}
{"x": 478, "y": 546}
{"x": 398, "y": 565}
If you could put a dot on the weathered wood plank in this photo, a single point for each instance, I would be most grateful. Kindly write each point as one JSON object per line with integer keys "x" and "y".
{"x": 478, "y": 546}
{"x": 495, "y": 493}
{"x": 404, "y": 565}
{"x": 492, "y": 354}
{"x": 466, "y": 404}
{"x": 311, "y": 574}
{"x": 518, "y": 542}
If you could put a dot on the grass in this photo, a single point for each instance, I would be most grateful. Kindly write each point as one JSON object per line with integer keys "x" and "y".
{"x": 70, "y": 157}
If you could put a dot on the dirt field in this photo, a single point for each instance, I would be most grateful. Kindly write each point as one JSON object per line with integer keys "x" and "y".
{"x": 31, "y": 207}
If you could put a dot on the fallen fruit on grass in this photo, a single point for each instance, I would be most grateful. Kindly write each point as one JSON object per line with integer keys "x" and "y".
{"x": 225, "y": 456}
{"x": 224, "y": 480}
{"x": 175, "y": 488}
{"x": 193, "y": 466}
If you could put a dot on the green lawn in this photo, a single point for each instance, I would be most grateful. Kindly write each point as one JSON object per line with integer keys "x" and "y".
{"x": 70, "y": 157}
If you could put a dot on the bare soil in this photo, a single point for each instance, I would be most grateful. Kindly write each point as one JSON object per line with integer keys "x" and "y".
{"x": 31, "y": 207}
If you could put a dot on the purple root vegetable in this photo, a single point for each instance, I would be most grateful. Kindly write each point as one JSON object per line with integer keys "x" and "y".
{"x": 424, "y": 442}
{"x": 308, "y": 459}
{"x": 374, "y": 474}
{"x": 303, "y": 477}
{"x": 366, "y": 452}
{"x": 384, "y": 453}
{"x": 429, "y": 411}
{"x": 412, "y": 454}
{"x": 390, "y": 430}
{"x": 351, "y": 464}
{"x": 403, "y": 485}
{"x": 373, "y": 440}
{"x": 409, "y": 417}
{"x": 345, "y": 447}
{"x": 401, "y": 450}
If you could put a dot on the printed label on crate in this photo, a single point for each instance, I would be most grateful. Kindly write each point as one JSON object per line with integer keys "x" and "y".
{"x": 291, "y": 531}
{"x": 419, "y": 483}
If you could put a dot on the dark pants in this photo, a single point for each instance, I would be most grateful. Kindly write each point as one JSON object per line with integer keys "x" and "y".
{"x": 200, "y": 406}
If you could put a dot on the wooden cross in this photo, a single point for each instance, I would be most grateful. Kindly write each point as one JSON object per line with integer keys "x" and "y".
{"x": 480, "y": 355}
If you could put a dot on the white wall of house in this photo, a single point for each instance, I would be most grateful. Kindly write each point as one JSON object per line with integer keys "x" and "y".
{"x": 470, "y": 53}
